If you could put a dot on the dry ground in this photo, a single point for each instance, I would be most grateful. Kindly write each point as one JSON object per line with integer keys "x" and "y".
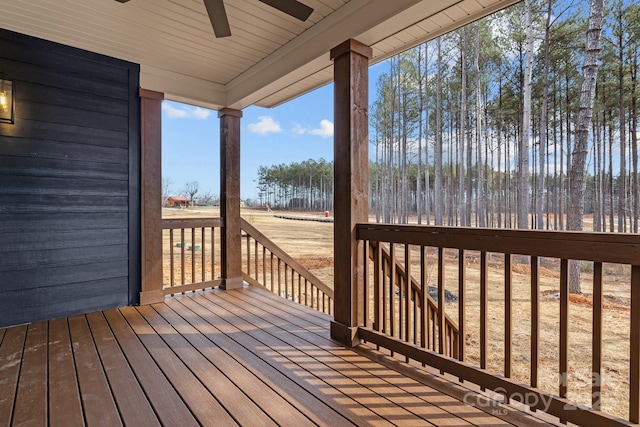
{"x": 311, "y": 244}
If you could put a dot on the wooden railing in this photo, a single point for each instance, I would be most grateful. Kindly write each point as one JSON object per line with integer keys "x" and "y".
{"x": 266, "y": 265}
{"x": 399, "y": 324}
{"x": 191, "y": 254}
{"x": 385, "y": 262}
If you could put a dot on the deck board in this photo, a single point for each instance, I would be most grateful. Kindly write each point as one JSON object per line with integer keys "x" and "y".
{"x": 238, "y": 349}
{"x": 241, "y": 408}
{"x": 31, "y": 404}
{"x": 200, "y": 401}
{"x": 133, "y": 405}
{"x": 450, "y": 402}
{"x": 65, "y": 406}
{"x": 166, "y": 402}
{"x": 10, "y": 363}
{"x": 381, "y": 381}
{"x": 261, "y": 401}
{"x": 241, "y": 357}
{"x": 317, "y": 360}
{"x": 97, "y": 400}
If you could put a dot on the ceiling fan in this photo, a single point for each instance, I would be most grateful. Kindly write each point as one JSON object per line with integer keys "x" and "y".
{"x": 220, "y": 23}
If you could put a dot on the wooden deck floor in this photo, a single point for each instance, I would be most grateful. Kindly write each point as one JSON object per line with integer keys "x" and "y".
{"x": 218, "y": 358}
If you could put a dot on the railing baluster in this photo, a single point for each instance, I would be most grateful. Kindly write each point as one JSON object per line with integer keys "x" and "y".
{"x": 564, "y": 326}
{"x": 484, "y": 301}
{"x": 286, "y": 282}
{"x": 407, "y": 296}
{"x": 634, "y": 372}
{"x": 383, "y": 308}
{"x": 596, "y": 352}
{"x": 213, "y": 253}
{"x": 313, "y": 297}
{"x": 508, "y": 316}
{"x": 182, "y": 257}
{"x": 365, "y": 283}
{"x": 392, "y": 286}
{"x": 441, "y": 277}
{"x": 434, "y": 330}
{"x": 423, "y": 297}
{"x": 462, "y": 294}
{"x": 264, "y": 266}
{"x": 401, "y": 294}
{"x": 535, "y": 321}
{"x": 324, "y": 310}
{"x": 193, "y": 255}
{"x": 248, "y": 255}
{"x": 414, "y": 327}
{"x": 203, "y": 260}
{"x": 171, "y": 260}
{"x": 279, "y": 277}
{"x": 255, "y": 257}
{"x": 377, "y": 292}
{"x": 271, "y": 282}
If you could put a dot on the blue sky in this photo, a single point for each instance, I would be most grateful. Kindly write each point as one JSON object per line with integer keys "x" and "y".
{"x": 298, "y": 130}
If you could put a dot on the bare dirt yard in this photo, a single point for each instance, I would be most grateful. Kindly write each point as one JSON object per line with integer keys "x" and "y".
{"x": 311, "y": 244}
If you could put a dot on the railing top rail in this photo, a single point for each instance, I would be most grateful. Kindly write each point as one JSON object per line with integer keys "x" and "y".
{"x": 277, "y": 251}
{"x": 177, "y": 223}
{"x": 587, "y": 246}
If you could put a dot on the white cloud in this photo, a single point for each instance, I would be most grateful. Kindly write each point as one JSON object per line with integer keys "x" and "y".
{"x": 265, "y": 125}
{"x": 325, "y": 130}
{"x": 185, "y": 112}
{"x": 299, "y": 130}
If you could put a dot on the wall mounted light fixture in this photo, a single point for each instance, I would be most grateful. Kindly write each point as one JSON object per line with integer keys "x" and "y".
{"x": 6, "y": 101}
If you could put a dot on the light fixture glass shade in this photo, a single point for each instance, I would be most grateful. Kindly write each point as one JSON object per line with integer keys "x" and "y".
{"x": 6, "y": 101}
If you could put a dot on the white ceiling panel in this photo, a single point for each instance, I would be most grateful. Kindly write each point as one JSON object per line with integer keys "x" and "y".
{"x": 270, "y": 57}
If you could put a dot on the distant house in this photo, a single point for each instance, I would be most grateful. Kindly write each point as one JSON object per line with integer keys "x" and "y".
{"x": 177, "y": 202}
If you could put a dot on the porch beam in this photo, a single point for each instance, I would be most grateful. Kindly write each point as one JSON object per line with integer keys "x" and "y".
{"x": 151, "y": 193}
{"x": 351, "y": 183}
{"x": 230, "y": 197}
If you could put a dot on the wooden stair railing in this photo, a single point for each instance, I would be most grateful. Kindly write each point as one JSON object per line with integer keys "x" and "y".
{"x": 450, "y": 327}
{"x": 268, "y": 266}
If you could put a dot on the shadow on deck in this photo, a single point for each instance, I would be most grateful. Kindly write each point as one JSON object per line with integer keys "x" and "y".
{"x": 219, "y": 358}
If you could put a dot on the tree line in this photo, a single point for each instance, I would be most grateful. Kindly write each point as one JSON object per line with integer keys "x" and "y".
{"x": 492, "y": 125}
{"x": 307, "y": 185}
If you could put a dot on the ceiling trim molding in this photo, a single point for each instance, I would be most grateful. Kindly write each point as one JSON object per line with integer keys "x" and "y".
{"x": 182, "y": 88}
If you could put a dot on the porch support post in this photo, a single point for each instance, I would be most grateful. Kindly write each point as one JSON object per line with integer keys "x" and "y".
{"x": 351, "y": 183}
{"x": 151, "y": 193}
{"x": 230, "y": 197}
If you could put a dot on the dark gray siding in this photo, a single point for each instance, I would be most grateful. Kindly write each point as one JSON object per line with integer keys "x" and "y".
{"x": 69, "y": 184}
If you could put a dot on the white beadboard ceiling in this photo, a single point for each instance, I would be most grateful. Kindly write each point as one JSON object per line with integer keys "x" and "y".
{"x": 270, "y": 58}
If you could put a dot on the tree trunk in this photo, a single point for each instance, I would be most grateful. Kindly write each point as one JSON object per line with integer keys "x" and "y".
{"x": 427, "y": 202}
{"x": 438, "y": 149}
{"x": 622, "y": 192}
{"x": 462, "y": 206}
{"x": 523, "y": 151}
{"x": 543, "y": 121}
{"x": 481, "y": 211}
{"x": 585, "y": 112}
{"x": 420, "y": 112}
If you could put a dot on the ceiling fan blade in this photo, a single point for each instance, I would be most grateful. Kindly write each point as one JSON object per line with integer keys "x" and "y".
{"x": 218, "y": 17}
{"x": 291, "y": 7}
